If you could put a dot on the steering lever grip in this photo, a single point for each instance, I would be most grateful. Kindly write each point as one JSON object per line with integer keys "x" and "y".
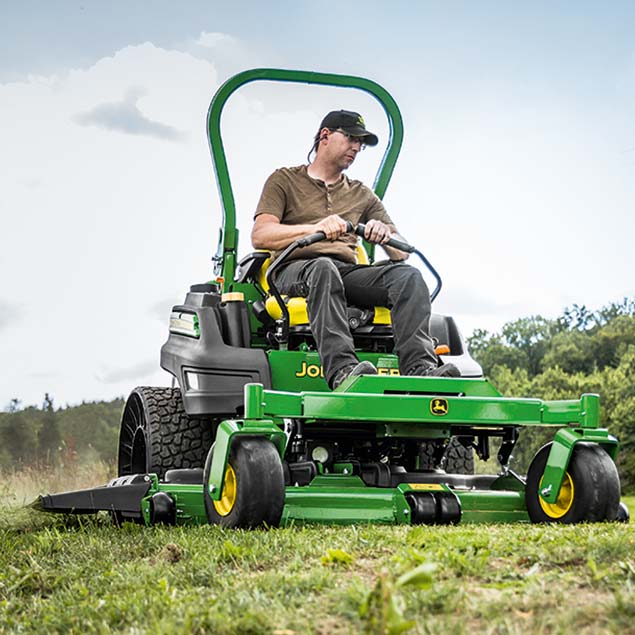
{"x": 360, "y": 230}
{"x": 310, "y": 239}
{"x": 318, "y": 236}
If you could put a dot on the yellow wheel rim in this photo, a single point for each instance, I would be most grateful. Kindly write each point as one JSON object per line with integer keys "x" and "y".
{"x": 228, "y": 498}
{"x": 564, "y": 502}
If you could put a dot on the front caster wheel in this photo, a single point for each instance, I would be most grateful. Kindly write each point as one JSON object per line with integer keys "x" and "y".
{"x": 590, "y": 489}
{"x": 253, "y": 486}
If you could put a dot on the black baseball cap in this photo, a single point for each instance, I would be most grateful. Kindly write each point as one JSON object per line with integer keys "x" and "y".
{"x": 350, "y": 122}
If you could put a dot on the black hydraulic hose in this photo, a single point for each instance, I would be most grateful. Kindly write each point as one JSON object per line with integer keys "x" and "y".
{"x": 360, "y": 230}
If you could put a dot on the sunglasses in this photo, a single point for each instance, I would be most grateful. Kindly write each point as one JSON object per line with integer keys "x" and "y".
{"x": 352, "y": 139}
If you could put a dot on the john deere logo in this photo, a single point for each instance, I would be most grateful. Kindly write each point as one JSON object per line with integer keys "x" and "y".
{"x": 312, "y": 370}
{"x": 439, "y": 406}
{"x": 360, "y": 121}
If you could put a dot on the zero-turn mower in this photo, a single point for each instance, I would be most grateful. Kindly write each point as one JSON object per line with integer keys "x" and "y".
{"x": 253, "y": 436}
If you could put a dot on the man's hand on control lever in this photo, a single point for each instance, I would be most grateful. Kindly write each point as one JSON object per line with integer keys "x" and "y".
{"x": 333, "y": 226}
{"x": 377, "y": 232}
{"x": 380, "y": 233}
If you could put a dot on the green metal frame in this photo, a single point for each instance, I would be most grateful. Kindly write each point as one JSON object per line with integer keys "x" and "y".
{"x": 341, "y": 497}
{"x": 408, "y": 413}
{"x": 228, "y": 240}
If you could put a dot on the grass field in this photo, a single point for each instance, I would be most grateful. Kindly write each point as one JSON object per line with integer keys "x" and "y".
{"x": 82, "y": 575}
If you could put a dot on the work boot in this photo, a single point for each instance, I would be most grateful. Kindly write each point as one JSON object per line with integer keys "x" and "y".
{"x": 445, "y": 370}
{"x": 353, "y": 370}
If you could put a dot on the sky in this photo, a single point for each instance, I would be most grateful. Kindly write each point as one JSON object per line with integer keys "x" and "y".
{"x": 516, "y": 176}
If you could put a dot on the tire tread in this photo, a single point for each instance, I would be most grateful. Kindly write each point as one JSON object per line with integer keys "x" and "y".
{"x": 174, "y": 439}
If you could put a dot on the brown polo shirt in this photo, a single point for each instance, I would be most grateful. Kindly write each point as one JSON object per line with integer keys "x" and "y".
{"x": 295, "y": 198}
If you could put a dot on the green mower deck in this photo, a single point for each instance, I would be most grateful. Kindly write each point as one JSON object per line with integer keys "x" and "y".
{"x": 389, "y": 407}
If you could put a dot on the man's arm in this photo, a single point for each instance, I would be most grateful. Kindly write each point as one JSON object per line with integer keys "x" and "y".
{"x": 269, "y": 233}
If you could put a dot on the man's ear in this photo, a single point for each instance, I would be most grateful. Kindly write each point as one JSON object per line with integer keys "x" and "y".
{"x": 324, "y": 134}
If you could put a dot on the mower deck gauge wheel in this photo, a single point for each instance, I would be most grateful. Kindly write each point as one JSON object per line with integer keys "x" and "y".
{"x": 228, "y": 498}
{"x": 590, "y": 490}
{"x": 253, "y": 486}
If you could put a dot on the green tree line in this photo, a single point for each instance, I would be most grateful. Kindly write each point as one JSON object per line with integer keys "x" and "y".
{"x": 581, "y": 351}
{"x": 47, "y": 436}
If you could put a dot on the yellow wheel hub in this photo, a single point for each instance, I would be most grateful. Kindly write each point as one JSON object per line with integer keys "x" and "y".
{"x": 564, "y": 502}
{"x": 228, "y": 498}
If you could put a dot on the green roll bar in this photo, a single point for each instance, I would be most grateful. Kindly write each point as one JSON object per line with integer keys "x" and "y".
{"x": 225, "y": 258}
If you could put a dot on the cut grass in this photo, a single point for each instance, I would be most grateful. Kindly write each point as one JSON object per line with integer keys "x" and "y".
{"x": 82, "y": 575}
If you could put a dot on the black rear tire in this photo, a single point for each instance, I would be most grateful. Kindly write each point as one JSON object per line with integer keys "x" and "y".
{"x": 457, "y": 459}
{"x": 253, "y": 491}
{"x": 158, "y": 435}
{"x": 590, "y": 492}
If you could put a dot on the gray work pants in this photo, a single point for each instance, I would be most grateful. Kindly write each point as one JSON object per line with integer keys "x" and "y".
{"x": 408, "y": 299}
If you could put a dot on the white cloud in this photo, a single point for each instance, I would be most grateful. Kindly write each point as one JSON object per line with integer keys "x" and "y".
{"x": 229, "y": 54}
{"x": 102, "y": 224}
{"x": 10, "y": 314}
{"x": 124, "y": 116}
{"x": 214, "y": 40}
{"x": 128, "y": 374}
{"x": 108, "y": 227}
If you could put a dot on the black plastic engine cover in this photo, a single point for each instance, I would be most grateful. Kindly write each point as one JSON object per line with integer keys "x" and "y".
{"x": 211, "y": 373}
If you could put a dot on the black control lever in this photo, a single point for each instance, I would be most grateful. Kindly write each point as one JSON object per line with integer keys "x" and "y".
{"x": 318, "y": 236}
{"x": 393, "y": 242}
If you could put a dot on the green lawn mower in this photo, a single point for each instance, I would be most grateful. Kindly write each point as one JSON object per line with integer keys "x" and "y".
{"x": 253, "y": 436}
